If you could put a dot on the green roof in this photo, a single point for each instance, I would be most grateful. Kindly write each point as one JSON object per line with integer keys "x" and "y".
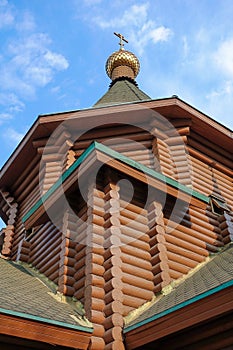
{"x": 23, "y": 294}
{"x": 122, "y": 91}
{"x": 122, "y": 158}
{"x": 213, "y": 276}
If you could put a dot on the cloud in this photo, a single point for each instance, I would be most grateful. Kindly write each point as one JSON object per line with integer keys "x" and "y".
{"x": 226, "y": 89}
{"x": 219, "y": 102}
{"x": 29, "y": 64}
{"x": 4, "y": 117}
{"x": 141, "y": 30}
{"x": 12, "y": 136}
{"x": 11, "y": 105}
{"x": 6, "y": 14}
{"x": 224, "y": 57}
{"x": 134, "y": 16}
{"x": 27, "y": 22}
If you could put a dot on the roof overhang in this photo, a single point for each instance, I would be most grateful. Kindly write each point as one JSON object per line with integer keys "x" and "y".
{"x": 97, "y": 155}
{"x": 201, "y": 309}
{"x": 128, "y": 112}
{"x": 29, "y": 327}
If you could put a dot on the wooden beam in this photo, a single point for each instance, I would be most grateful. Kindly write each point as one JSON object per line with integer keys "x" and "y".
{"x": 43, "y": 332}
{"x": 202, "y": 310}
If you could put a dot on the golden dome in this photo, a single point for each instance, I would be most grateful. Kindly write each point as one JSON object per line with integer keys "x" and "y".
{"x": 124, "y": 63}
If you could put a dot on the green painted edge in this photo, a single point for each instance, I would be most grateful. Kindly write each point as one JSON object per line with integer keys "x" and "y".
{"x": 45, "y": 320}
{"x": 151, "y": 172}
{"x": 63, "y": 177}
{"x": 179, "y": 306}
{"x": 116, "y": 155}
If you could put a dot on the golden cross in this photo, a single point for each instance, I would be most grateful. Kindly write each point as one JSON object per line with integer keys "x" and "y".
{"x": 121, "y": 40}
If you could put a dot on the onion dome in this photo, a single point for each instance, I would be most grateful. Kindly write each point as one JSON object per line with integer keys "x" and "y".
{"x": 122, "y": 63}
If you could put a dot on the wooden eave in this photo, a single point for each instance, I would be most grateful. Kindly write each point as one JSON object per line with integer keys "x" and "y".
{"x": 96, "y": 155}
{"x": 199, "y": 310}
{"x": 135, "y": 112}
{"x": 21, "y": 326}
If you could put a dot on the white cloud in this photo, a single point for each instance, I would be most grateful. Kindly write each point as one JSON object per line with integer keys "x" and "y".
{"x": 27, "y": 22}
{"x": 6, "y": 14}
{"x": 27, "y": 63}
{"x": 141, "y": 30}
{"x": 224, "y": 57}
{"x": 226, "y": 89}
{"x": 148, "y": 33}
{"x": 32, "y": 64}
{"x": 56, "y": 60}
{"x": 13, "y": 136}
{"x": 10, "y": 106}
{"x": 134, "y": 16}
{"x": 4, "y": 117}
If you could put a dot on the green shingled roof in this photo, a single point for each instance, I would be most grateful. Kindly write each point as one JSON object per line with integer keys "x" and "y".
{"x": 24, "y": 295}
{"x": 123, "y": 90}
{"x": 215, "y": 275}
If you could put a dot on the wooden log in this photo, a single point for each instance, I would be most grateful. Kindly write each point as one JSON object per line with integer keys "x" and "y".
{"x": 67, "y": 270}
{"x": 113, "y": 334}
{"x": 113, "y": 320}
{"x": 79, "y": 274}
{"x": 188, "y": 262}
{"x": 188, "y": 250}
{"x": 132, "y": 232}
{"x": 175, "y": 275}
{"x": 199, "y": 225}
{"x": 133, "y": 208}
{"x": 40, "y": 235}
{"x": 114, "y": 307}
{"x": 137, "y": 281}
{"x": 184, "y": 236}
{"x": 66, "y": 290}
{"x": 163, "y": 278}
{"x": 137, "y": 271}
{"x": 210, "y": 161}
{"x": 54, "y": 276}
{"x": 48, "y": 265}
{"x": 134, "y": 224}
{"x": 95, "y": 269}
{"x": 115, "y": 294}
{"x": 112, "y": 284}
{"x": 137, "y": 292}
{"x": 194, "y": 234}
{"x": 80, "y": 263}
{"x": 135, "y": 261}
{"x": 134, "y": 251}
{"x": 95, "y": 292}
{"x": 48, "y": 247}
{"x": 94, "y": 304}
{"x": 79, "y": 282}
{"x": 98, "y": 281}
{"x": 201, "y": 215}
{"x": 130, "y": 215}
{"x": 98, "y": 330}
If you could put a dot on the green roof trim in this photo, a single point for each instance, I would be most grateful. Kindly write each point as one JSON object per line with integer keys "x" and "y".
{"x": 122, "y": 158}
{"x": 179, "y": 306}
{"x": 45, "y": 320}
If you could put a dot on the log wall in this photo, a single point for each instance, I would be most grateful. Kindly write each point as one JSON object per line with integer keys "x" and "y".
{"x": 119, "y": 248}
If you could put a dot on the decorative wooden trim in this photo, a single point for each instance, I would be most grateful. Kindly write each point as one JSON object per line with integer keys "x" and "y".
{"x": 100, "y": 153}
{"x": 44, "y": 332}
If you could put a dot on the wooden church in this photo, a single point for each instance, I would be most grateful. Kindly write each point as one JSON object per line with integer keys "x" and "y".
{"x": 119, "y": 226}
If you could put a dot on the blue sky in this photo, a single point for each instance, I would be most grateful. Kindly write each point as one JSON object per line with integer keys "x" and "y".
{"x": 53, "y": 54}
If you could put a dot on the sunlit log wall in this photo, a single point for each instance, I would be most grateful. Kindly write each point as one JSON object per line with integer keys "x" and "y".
{"x": 154, "y": 243}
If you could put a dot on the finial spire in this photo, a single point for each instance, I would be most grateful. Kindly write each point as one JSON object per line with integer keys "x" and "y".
{"x": 121, "y": 40}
